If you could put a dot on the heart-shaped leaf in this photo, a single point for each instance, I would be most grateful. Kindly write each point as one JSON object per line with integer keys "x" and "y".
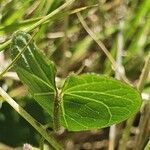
{"x": 91, "y": 101}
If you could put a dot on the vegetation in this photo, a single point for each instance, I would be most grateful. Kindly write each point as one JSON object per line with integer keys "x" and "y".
{"x": 70, "y": 98}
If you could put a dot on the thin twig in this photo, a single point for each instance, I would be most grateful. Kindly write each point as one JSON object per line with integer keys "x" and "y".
{"x": 118, "y": 71}
{"x": 65, "y": 40}
{"x": 94, "y": 37}
{"x": 112, "y": 137}
{"x": 66, "y": 25}
{"x": 39, "y": 127}
{"x": 144, "y": 74}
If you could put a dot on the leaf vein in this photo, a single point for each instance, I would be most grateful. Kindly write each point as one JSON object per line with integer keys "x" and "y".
{"x": 102, "y": 93}
{"x": 76, "y": 121}
{"x": 91, "y": 99}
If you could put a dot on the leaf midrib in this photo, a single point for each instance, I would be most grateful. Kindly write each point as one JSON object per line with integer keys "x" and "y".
{"x": 101, "y": 93}
{"x": 44, "y": 74}
{"x": 51, "y": 87}
{"x": 85, "y": 84}
{"x": 76, "y": 121}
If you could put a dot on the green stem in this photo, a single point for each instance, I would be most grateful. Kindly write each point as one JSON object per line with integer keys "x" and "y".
{"x": 46, "y": 18}
{"x": 39, "y": 127}
{"x": 56, "y": 112}
{"x": 66, "y": 43}
{"x": 42, "y": 143}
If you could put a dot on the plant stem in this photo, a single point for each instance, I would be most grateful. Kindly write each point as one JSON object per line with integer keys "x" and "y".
{"x": 144, "y": 74}
{"x": 39, "y": 127}
{"x": 112, "y": 137}
{"x": 46, "y": 18}
{"x": 129, "y": 123}
{"x": 94, "y": 37}
{"x": 56, "y": 113}
{"x": 65, "y": 44}
{"x": 42, "y": 143}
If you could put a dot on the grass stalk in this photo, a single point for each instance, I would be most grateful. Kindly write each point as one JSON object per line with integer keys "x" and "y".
{"x": 39, "y": 127}
{"x": 144, "y": 74}
{"x": 94, "y": 37}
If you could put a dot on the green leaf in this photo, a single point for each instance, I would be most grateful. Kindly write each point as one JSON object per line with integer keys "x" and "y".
{"x": 91, "y": 101}
{"x": 34, "y": 70}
